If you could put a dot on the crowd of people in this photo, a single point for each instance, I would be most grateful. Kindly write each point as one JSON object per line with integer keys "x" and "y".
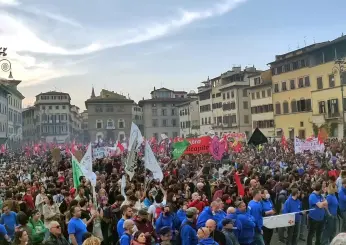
{"x": 199, "y": 201}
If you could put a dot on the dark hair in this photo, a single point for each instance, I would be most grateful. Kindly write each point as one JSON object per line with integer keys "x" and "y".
{"x": 34, "y": 212}
{"x": 137, "y": 234}
{"x": 74, "y": 202}
{"x": 158, "y": 199}
{"x": 82, "y": 202}
{"x": 50, "y": 198}
{"x": 119, "y": 198}
{"x": 72, "y": 210}
{"x": 124, "y": 208}
{"x": 294, "y": 191}
{"x": 17, "y": 235}
{"x": 81, "y": 178}
{"x": 318, "y": 187}
{"x": 22, "y": 218}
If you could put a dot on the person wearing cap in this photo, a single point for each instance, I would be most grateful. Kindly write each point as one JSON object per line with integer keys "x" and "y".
{"x": 227, "y": 230}
{"x": 188, "y": 234}
{"x": 144, "y": 225}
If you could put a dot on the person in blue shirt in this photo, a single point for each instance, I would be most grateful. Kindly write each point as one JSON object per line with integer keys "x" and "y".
{"x": 268, "y": 210}
{"x": 204, "y": 238}
{"x": 255, "y": 209}
{"x": 293, "y": 205}
{"x": 245, "y": 224}
{"x": 9, "y": 220}
{"x": 188, "y": 234}
{"x": 207, "y": 213}
{"x": 329, "y": 231}
{"x": 342, "y": 204}
{"x": 316, "y": 216}
{"x": 126, "y": 237}
{"x": 127, "y": 213}
{"x": 167, "y": 218}
{"x": 76, "y": 228}
{"x": 181, "y": 213}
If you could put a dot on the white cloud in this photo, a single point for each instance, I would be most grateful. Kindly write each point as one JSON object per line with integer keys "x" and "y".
{"x": 9, "y": 2}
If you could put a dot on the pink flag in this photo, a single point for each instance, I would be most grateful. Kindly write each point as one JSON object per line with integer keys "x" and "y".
{"x": 217, "y": 148}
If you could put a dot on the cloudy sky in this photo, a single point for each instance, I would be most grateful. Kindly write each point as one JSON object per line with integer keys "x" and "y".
{"x": 130, "y": 46}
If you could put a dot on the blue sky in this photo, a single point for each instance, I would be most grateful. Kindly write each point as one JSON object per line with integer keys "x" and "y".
{"x": 130, "y": 46}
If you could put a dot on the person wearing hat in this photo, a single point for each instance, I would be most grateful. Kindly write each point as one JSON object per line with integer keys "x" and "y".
{"x": 188, "y": 234}
{"x": 144, "y": 225}
{"x": 227, "y": 230}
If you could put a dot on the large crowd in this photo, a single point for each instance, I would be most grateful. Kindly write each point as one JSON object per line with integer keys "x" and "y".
{"x": 199, "y": 201}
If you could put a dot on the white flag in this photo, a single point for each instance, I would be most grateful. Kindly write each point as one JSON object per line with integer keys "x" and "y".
{"x": 135, "y": 142}
{"x": 151, "y": 162}
{"x": 278, "y": 221}
{"x": 136, "y": 137}
{"x": 87, "y": 166}
{"x": 164, "y": 136}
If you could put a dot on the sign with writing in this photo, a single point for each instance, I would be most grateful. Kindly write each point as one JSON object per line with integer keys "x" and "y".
{"x": 99, "y": 152}
{"x": 198, "y": 145}
{"x": 235, "y": 136}
{"x": 312, "y": 145}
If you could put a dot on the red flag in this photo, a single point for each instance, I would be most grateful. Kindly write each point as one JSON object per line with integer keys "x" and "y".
{"x": 241, "y": 191}
{"x": 120, "y": 146}
{"x": 284, "y": 142}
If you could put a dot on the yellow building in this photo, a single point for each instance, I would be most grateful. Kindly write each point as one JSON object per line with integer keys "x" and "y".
{"x": 306, "y": 92}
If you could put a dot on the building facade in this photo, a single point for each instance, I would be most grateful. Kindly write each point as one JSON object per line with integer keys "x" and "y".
{"x": 29, "y": 125}
{"x": 137, "y": 116}
{"x": 231, "y": 101}
{"x": 76, "y": 124}
{"x": 160, "y": 113}
{"x": 85, "y": 131}
{"x": 204, "y": 103}
{"x": 262, "y": 112}
{"x": 4, "y": 93}
{"x": 109, "y": 116}
{"x": 14, "y": 113}
{"x": 306, "y": 92}
{"x": 189, "y": 117}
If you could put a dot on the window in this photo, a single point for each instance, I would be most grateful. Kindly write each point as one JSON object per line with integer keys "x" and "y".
{"x": 154, "y": 112}
{"x": 307, "y": 81}
{"x": 319, "y": 83}
{"x": 175, "y": 134}
{"x": 43, "y": 107}
{"x": 154, "y": 123}
{"x": 331, "y": 81}
{"x": 98, "y": 109}
{"x": 164, "y": 112}
{"x": 174, "y": 122}
{"x": 269, "y": 92}
{"x": 57, "y": 107}
{"x": 224, "y": 96}
{"x": 173, "y": 112}
{"x": 110, "y": 124}
{"x": 245, "y": 105}
{"x": 121, "y": 123}
{"x": 202, "y": 122}
{"x": 308, "y": 104}
{"x": 245, "y": 93}
{"x": 50, "y": 107}
{"x": 263, "y": 93}
{"x": 64, "y": 107}
{"x": 109, "y": 108}
{"x": 246, "y": 119}
{"x": 301, "y": 82}
{"x": 293, "y": 106}
{"x": 276, "y": 88}
{"x": 99, "y": 124}
{"x": 164, "y": 123}
{"x": 292, "y": 84}
{"x": 277, "y": 108}
{"x": 258, "y": 96}
{"x": 283, "y": 86}
{"x": 302, "y": 134}
{"x": 322, "y": 107}
{"x": 253, "y": 96}
{"x": 232, "y": 94}
{"x": 285, "y": 107}
{"x": 227, "y": 95}
{"x": 302, "y": 63}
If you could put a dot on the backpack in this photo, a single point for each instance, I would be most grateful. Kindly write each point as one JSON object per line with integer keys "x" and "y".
{"x": 157, "y": 213}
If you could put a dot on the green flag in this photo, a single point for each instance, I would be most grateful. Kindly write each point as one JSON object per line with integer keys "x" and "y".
{"x": 179, "y": 148}
{"x": 76, "y": 172}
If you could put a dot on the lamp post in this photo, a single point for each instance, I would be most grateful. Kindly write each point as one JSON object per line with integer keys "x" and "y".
{"x": 339, "y": 67}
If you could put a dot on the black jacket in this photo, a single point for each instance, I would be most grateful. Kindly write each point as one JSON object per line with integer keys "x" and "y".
{"x": 53, "y": 240}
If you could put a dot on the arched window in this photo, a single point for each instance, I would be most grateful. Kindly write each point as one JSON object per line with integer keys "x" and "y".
{"x": 121, "y": 123}
{"x": 285, "y": 107}
{"x": 99, "y": 124}
{"x": 278, "y": 108}
{"x": 294, "y": 106}
{"x": 110, "y": 124}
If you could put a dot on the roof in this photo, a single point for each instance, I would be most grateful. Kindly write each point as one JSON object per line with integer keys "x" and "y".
{"x": 306, "y": 50}
{"x": 10, "y": 86}
{"x": 53, "y": 93}
{"x": 164, "y": 100}
{"x": 266, "y": 77}
{"x": 186, "y": 102}
{"x": 107, "y": 96}
{"x": 161, "y": 89}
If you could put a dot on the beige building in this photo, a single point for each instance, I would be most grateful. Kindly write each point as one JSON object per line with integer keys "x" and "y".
{"x": 262, "y": 112}
{"x": 189, "y": 116}
{"x": 231, "y": 102}
{"x": 204, "y": 103}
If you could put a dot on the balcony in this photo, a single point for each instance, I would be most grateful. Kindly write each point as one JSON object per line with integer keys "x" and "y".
{"x": 222, "y": 125}
{"x": 195, "y": 127}
{"x": 332, "y": 115}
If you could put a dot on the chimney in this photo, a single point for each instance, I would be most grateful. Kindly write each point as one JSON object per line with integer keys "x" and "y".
{"x": 92, "y": 93}
{"x": 154, "y": 88}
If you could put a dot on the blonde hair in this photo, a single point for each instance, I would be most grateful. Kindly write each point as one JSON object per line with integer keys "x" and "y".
{"x": 331, "y": 188}
{"x": 92, "y": 241}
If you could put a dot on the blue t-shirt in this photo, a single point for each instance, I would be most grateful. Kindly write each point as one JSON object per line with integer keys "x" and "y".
{"x": 318, "y": 213}
{"x": 3, "y": 231}
{"x": 120, "y": 227}
{"x": 78, "y": 228}
{"x": 10, "y": 221}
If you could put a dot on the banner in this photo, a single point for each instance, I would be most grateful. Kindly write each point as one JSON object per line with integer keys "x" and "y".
{"x": 179, "y": 148}
{"x": 198, "y": 145}
{"x": 235, "y": 136}
{"x": 76, "y": 172}
{"x": 307, "y": 145}
{"x": 278, "y": 221}
{"x": 217, "y": 148}
{"x": 87, "y": 166}
{"x": 99, "y": 152}
{"x": 136, "y": 140}
{"x": 151, "y": 162}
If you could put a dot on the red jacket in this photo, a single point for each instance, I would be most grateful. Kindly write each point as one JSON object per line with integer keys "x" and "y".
{"x": 146, "y": 227}
{"x": 197, "y": 204}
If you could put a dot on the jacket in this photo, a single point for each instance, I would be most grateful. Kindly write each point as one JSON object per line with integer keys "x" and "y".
{"x": 230, "y": 237}
{"x": 204, "y": 216}
{"x": 245, "y": 224}
{"x": 170, "y": 220}
{"x": 38, "y": 231}
{"x": 293, "y": 206}
{"x": 146, "y": 226}
{"x": 188, "y": 233}
{"x": 207, "y": 241}
{"x": 53, "y": 240}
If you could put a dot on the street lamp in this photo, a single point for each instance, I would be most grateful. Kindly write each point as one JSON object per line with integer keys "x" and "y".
{"x": 339, "y": 67}
{"x": 6, "y": 66}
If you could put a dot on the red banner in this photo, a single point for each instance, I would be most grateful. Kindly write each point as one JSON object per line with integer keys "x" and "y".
{"x": 198, "y": 145}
